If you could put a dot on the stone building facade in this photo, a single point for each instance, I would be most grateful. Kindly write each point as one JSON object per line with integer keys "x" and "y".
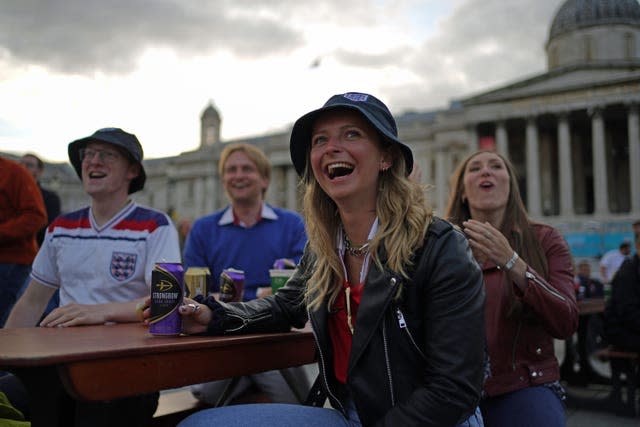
{"x": 572, "y": 132}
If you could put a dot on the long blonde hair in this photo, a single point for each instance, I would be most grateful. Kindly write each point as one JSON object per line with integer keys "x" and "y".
{"x": 403, "y": 218}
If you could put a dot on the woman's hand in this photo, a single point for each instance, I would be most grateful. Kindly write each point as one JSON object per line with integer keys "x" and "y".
{"x": 195, "y": 317}
{"x": 487, "y": 243}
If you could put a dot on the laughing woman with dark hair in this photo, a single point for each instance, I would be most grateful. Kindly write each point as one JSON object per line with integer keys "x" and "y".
{"x": 394, "y": 296}
{"x": 528, "y": 275}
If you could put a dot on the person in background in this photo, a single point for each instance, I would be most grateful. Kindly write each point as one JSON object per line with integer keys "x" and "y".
{"x": 100, "y": 258}
{"x": 612, "y": 260}
{"x": 587, "y": 286}
{"x": 528, "y": 277}
{"x": 248, "y": 235}
{"x": 22, "y": 214}
{"x": 184, "y": 227}
{"x": 622, "y": 312}
{"x": 35, "y": 166}
{"x": 393, "y": 294}
{"x": 635, "y": 227}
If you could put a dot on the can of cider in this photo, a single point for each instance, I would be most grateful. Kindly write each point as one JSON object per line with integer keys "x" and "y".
{"x": 231, "y": 285}
{"x": 167, "y": 291}
{"x": 196, "y": 281}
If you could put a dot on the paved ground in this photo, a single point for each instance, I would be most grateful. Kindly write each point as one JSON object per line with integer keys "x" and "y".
{"x": 591, "y": 410}
{"x": 582, "y": 418}
{"x": 597, "y": 414}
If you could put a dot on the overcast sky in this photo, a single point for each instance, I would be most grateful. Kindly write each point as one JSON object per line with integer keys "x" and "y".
{"x": 69, "y": 67}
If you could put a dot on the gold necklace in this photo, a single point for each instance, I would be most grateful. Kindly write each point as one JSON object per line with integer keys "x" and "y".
{"x": 357, "y": 251}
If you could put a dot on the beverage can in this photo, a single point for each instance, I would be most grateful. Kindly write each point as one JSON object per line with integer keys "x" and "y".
{"x": 231, "y": 285}
{"x": 196, "y": 281}
{"x": 167, "y": 290}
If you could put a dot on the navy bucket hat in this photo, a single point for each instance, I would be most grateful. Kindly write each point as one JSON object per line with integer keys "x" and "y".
{"x": 374, "y": 110}
{"x": 119, "y": 138}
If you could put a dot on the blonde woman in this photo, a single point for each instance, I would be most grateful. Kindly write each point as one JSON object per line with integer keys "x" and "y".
{"x": 394, "y": 296}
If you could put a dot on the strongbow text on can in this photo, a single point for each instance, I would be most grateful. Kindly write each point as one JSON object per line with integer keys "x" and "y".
{"x": 167, "y": 290}
{"x": 231, "y": 285}
{"x": 196, "y": 281}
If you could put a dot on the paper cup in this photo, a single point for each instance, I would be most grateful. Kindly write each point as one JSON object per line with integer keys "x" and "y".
{"x": 279, "y": 278}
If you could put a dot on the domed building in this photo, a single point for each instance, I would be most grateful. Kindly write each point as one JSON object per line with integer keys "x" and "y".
{"x": 594, "y": 32}
{"x": 572, "y": 132}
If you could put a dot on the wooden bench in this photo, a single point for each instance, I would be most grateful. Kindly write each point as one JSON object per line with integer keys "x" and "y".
{"x": 625, "y": 363}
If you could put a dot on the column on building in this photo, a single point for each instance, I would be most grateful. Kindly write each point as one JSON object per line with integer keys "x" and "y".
{"x": 442, "y": 184}
{"x": 533, "y": 168}
{"x": 565, "y": 165}
{"x": 210, "y": 194}
{"x": 474, "y": 143}
{"x": 599, "y": 163}
{"x": 634, "y": 157}
{"x": 502, "y": 142}
{"x": 292, "y": 188}
{"x": 276, "y": 192}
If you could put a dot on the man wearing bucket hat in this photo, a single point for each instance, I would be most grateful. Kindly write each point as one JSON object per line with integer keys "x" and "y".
{"x": 100, "y": 257}
{"x": 393, "y": 294}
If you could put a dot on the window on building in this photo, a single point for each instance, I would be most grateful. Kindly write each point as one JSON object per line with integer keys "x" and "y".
{"x": 588, "y": 48}
{"x": 629, "y": 46}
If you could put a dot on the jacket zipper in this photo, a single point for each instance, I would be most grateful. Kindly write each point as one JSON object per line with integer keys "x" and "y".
{"x": 515, "y": 345}
{"x": 324, "y": 366}
{"x": 387, "y": 361}
{"x": 403, "y": 325}
{"x": 246, "y": 321}
{"x": 553, "y": 292}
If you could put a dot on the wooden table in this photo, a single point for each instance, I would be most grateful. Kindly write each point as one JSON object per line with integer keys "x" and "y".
{"x": 591, "y": 306}
{"x": 112, "y": 361}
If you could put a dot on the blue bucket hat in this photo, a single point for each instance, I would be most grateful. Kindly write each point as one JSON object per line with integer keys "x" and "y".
{"x": 374, "y": 110}
{"x": 119, "y": 138}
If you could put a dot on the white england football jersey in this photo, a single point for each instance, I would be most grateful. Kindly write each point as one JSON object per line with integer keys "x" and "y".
{"x": 112, "y": 263}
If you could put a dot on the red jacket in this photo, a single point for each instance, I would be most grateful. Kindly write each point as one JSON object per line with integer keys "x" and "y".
{"x": 521, "y": 348}
{"x": 22, "y": 214}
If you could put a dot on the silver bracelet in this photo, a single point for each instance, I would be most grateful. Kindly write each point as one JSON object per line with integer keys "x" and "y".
{"x": 509, "y": 265}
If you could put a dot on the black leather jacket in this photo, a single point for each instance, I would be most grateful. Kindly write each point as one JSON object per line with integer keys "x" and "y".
{"x": 416, "y": 359}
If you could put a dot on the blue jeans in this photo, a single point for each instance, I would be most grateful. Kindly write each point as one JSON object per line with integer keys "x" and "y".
{"x": 475, "y": 420}
{"x": 270, "y": 414}
{"x": 12, "y": 282}
{"x": 528, "y": 407}
{"x": 285, "y": 415}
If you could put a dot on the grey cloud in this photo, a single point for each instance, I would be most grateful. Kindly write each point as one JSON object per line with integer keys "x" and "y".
{"x": 84, "y": 36}
{"x": 483, "y": 44}
{"x": 369, "y": 60}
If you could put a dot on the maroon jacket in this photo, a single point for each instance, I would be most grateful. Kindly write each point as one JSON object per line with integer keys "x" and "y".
{"x": 521, "y": 347}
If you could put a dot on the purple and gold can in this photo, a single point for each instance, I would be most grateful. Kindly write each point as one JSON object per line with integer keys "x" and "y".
{"x": 167, "y": 290}
{"x": 231, "y": 285}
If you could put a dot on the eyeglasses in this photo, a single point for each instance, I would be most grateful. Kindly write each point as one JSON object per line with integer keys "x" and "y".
{"x": 105, "y": 156}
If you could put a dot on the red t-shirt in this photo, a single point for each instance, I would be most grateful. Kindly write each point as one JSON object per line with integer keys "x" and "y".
{"x": 341, "y": 336}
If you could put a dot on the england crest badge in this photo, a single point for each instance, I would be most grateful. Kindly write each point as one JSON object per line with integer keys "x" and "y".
{"x": 123, "y": 265}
